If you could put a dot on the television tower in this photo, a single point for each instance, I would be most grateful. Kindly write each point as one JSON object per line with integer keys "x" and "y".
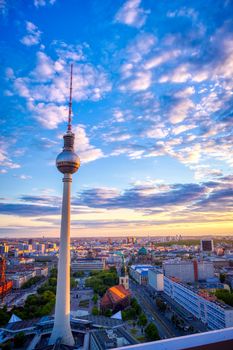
{"x": 67, "y": 163}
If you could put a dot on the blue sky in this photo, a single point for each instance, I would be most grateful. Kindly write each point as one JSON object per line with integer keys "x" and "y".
{"x": 152, "y": 114}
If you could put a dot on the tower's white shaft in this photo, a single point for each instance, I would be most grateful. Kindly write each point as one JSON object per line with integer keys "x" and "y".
{"x": 62, "y": 327}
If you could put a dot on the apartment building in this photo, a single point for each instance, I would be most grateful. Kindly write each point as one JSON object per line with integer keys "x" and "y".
{"x": 200, "y": 303}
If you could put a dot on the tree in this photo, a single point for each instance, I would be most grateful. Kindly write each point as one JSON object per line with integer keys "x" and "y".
{"x": 95, "y": 311}
{"x": 100, "y": 281}
{"x": 136, "y": 306}
{"x": 129, "y": 314}
{"x": 73, "y": 283}
{"x": 95, "y": 298}
{"x": 222, "y": 277}
{"x": 108, "y": 313}
{"x": 151, "y": 332}
{"x": 161, "y": 305}
{"x": 32, "y": 281}
{"x": 78, "y": 274}
{"x": 4, "y": 316}
{"x": 142, "y": 320}
{"x": 225, "y": 295}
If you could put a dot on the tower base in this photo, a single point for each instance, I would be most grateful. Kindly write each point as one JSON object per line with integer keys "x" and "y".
{"x": 63, "y": 334}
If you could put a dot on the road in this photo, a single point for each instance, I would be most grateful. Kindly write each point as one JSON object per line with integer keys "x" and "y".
{"x": 175, "y": 308}
{"x": 165, "y": 331}
{"x": 18, "y": 297}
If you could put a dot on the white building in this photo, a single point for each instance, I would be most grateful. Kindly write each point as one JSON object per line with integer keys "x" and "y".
{"x": 88, "y": 264}
{"x": 156, "y": 280}
{"x": 215, "y": 314}
{"x": 140, "y": 273}
{"x": 20, "y": 278}
{"x": 189, "y": 271}
{"x": 42, "y": 271}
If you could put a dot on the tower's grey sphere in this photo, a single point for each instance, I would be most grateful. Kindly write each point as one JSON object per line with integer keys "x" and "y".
{"x": 67, "y": 162}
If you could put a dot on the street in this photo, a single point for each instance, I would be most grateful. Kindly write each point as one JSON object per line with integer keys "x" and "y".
{"x": 151, "y": 312}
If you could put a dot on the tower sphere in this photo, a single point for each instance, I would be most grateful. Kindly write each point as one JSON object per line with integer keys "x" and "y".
{"x": 67, "y": 162}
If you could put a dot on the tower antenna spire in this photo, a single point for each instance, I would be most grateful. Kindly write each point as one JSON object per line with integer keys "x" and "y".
{"x": 69, "y": 127}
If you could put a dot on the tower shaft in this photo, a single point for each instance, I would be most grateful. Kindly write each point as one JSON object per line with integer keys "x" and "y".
{"x": 62, "y": 328}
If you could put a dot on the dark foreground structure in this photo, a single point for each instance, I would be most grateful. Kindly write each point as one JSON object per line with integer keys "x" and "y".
{"x": 221, "y": 339}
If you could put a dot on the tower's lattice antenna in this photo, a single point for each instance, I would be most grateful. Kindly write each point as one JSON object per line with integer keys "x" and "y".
{"x": 70, "y": 101}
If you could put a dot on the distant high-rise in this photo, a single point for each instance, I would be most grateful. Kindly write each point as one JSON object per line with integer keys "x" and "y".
{"x": 207, "y": 245}
{"x": 67, "y": 163}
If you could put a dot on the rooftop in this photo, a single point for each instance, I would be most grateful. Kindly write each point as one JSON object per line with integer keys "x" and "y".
{"x": 202, "y": 293}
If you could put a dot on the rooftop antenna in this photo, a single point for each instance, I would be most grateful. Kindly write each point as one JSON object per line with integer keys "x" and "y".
{"x": 70, "y": 101}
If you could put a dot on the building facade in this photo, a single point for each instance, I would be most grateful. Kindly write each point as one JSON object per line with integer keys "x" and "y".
{"x": 189, "y": 271}
{"x": 214, "y": 314}
{"x": 86, "y": 264}
{"x": 207, "y": 245}
{"x": 140, "y": 273}
{"x": 156, "y": 279}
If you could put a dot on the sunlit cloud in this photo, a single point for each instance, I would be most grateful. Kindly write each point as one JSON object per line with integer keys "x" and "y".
{"x": 132, "y": 14}
{"x": 33, "y": 35}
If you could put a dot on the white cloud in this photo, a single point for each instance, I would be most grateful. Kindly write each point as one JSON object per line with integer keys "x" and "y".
{"x": 182, "y": 128}
{"x": 85, "y": 150}
{"x": 188, "y": 91}
{"x": 155, "y": 132}
{"x": 189, "y": 155}
{"x": 3, "y": 7}
{"x": 203, "y": 172}
{"x": 33, "y": 35}
{"x": 10, "y": 73}
{"x": 180, "y": 110}
{"x": 132, "y": 14}
{"x": 183, "y": 12}
{"x": 5, "y": 161}
{"x": 45, "y": 67}
{"x": 23, "y": 177}
{"x": 141, "y": 81}
{"x": 161, "y": 59}
{"x": 40, "y": 3}
{"x": 46, "y": 88}
{"x": 118, "y": 116}
{"x": 118, "y": 138}
{"x": 140, "y": 47}
{"x": 49, "y": 114}
{"x": 181, "y": 74}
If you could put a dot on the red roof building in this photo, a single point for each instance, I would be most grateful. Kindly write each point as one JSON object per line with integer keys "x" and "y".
{"x": 116, "y": 298}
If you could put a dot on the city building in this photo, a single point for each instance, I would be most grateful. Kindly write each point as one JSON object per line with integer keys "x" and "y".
{"x": 88, "y": 264}
{"x": 4, "y": 249}
{"x": 140, "y": 273}
{"x": 189, "y": 271}
{"x": 110, "y": 339}
{"x": 207, "y": 245}
{"x": 116, "y": 298}
{"x": 156, "y": 279}
{"x": 5, "y": 285}
{"x": 19, "y": 279}
{"x": 200, "y": 303}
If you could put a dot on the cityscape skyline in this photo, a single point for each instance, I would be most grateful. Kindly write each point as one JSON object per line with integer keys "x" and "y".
{"x": 152, "y": 117}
